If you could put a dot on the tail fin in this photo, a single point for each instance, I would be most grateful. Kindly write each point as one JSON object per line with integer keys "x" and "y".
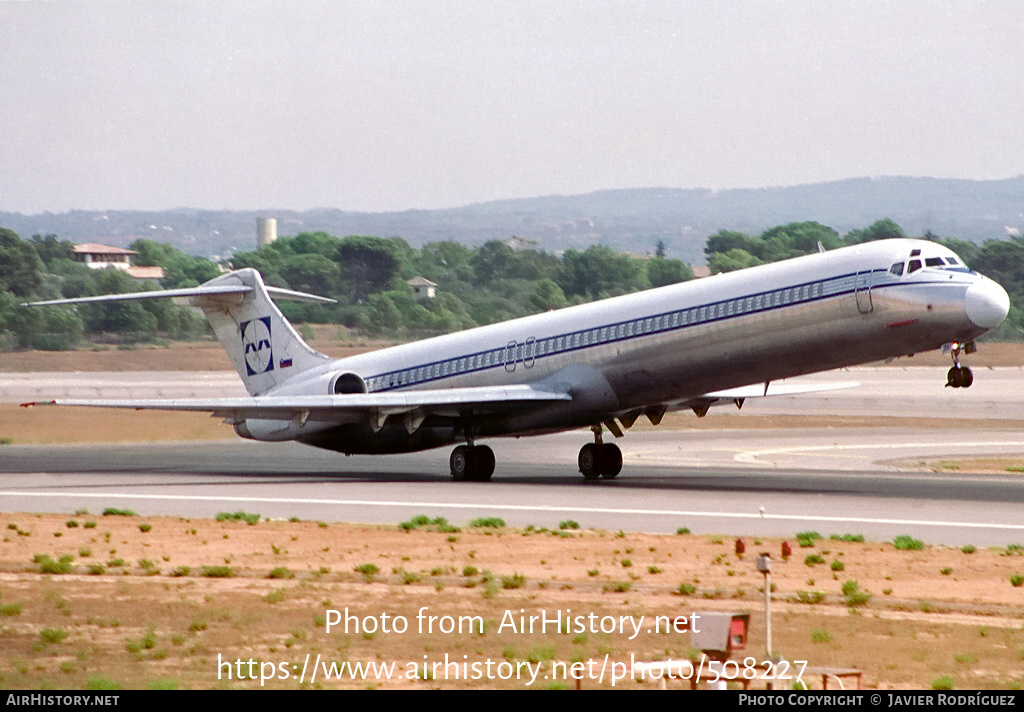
{"x": 262, "y": 345}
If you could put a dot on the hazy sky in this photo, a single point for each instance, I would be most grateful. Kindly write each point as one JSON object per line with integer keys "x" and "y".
{"x": 423, "y": 104}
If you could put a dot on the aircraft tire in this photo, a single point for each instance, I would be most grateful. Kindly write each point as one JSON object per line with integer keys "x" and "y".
{"x": 481, "y": 460}
{"x": 966, "y": 377}
{"x": 611, "y": 461}
{"x": 460, "y": 463}
{"x": 954, "y": 377}
{"x": 590, "y": 461}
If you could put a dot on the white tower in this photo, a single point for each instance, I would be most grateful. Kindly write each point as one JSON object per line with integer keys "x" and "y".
{"x": 266, "y": 231}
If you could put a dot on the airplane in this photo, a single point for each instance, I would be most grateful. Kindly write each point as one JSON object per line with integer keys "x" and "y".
{"x": 601, "y": 365}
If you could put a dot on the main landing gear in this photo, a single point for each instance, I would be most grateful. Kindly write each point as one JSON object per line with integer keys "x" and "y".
{"x": 600, "y": 459}
{"x": 959, "y": 376}
{"x": 472, "y": 462}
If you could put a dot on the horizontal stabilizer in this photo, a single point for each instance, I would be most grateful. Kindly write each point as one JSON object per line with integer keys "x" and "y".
{"x": 211, "y": 290}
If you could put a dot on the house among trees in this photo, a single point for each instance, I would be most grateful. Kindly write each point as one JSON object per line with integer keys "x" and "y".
{"x": 103, "y": 256}
{"x": 422, "y": 288}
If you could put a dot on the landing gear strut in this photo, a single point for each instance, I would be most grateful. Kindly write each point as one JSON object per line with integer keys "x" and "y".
{"x": 472, "y": 462}
{"x": 600, "y": 459}
{"x": 959, "y": 376}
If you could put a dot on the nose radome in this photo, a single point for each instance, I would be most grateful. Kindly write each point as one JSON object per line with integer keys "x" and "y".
{"x": 987, "y": 303}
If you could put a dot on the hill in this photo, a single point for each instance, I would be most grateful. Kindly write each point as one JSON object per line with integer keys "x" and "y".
{"x": 629, "y": 220}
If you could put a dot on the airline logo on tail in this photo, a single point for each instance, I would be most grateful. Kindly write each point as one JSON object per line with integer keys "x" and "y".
{"x": 259, "y": 355}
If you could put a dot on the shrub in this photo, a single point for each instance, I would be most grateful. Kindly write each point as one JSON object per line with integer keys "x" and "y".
{"x": 943, "y": 683}
{"x": 569, "y": 524}
{"x": 617, "y": 587}
{"x": 807, "y": 539}
{"x": 48, "y": 566}
{"x": 10, "y": 609}
{"x": 905, "y": 542}
{"x": 53, "y": 635}
{"x": 811, "y": 597}
{"x": 683, "y": 530}
{"x": 813, "y": 559}
{"x": 246, "y": 517}
{"x": 968, "y": 549}
{"x": 488, "y": 522}
{"x": 820, "y": 635}
{"x": 96, "y": 682}
{"x": 837, "y": 565}
{"x": 853, "y": 596}
{"x": 367, "y": 570}
{"x": 513, "y": 581}
{"x": 859, "y": 538}
{"x": 1017, "y": 580}
{"x": 686, "y": 589}
{"x": 145, "y": 527}
{"x": 217, "y": 572}
{"x": 114, "y": 512}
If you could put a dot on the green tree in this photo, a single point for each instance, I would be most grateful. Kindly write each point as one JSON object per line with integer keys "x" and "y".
{"x": 600, "y": 271}
{"x": 368, "y": 265}
{"x": 662, "y": 271}
{"x": 20, "y": 266}
{"x": 52, "y": 248}
{"x": 883, "y": 229}
{"x": 731, "y": 260}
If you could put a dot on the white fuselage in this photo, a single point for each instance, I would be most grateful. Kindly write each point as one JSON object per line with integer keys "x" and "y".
{"x": 661, "y": 347}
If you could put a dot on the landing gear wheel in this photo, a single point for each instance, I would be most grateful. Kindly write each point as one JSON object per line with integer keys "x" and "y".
{"x": 959, "y": 377}
{"x": 459, "y": 462}
{"x": 481, "y": 460}
{"x": 472, "y": 463}
{"x": 590, "y": 461}
{"x": 611, "y": 460}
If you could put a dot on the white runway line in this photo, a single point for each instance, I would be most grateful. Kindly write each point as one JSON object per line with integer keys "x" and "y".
{"x": 751, "y": 456}
{"x": 521, "y": 508}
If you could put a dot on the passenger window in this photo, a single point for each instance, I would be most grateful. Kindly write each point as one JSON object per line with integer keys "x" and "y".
{"x": 913, "y": 266}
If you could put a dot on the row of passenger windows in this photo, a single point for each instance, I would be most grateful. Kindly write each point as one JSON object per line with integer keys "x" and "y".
{"x": 526, "y": 352}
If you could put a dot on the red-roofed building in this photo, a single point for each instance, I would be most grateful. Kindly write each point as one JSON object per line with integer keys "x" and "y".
{"x": 104, "y": 256}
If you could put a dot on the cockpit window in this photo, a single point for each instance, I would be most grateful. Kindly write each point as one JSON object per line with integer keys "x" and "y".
{"x": 952, "y": 260}
{"x": 934, "y": 262}
{"x": 897, "y": 269}
{"x": 913, "y": 266}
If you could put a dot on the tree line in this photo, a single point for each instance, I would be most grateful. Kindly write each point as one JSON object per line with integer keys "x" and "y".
{"x": 368, "y": 276}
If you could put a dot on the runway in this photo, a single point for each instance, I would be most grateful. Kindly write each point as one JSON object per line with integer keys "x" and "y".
{"x": 707, "y": 481}
{"x": 753, "y": 482}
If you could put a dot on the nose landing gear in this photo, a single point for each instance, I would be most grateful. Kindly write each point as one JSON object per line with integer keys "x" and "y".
{"x": 960, "y": 376}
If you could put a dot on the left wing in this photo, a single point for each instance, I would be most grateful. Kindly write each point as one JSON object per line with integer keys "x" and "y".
{"x": 736, "y": 396}
{"x": 450, "y": 401}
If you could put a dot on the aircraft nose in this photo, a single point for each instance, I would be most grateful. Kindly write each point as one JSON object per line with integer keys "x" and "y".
{"x": 987, "y": 303}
